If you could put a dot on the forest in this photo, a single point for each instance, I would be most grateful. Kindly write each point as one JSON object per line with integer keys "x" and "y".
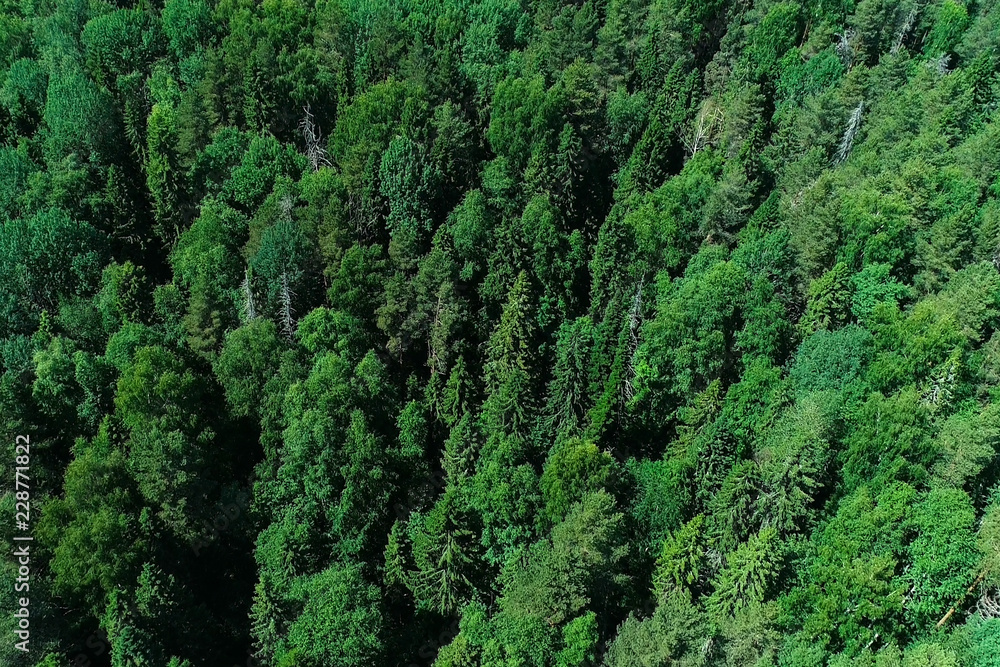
{"x": 501, "y": 333}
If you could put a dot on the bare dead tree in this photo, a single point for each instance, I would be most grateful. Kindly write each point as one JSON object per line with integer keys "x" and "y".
{"x": 286, "y": 205}
{"x": 904, "y": 30}
{"x": 248, "y": 307}
{"x": 285, "y": 295}
{"x": 941, "y": 64}
{"x": 874, "y": 639}
{"x": 634, "y": 316}
{"x": 313, "y": 137}
{"x": 850, "y": 132}
{"x": 942, "y": 386}
{"x": 708, "y": 647}
{"x": 709, "y": 118}
{"x": 988, "y": 606}
{"x": 844, "y": 49}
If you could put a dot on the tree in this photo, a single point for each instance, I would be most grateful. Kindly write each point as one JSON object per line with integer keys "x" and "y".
{"x": 578, "y": 569}
{"x": 164, "y": 405}
{"x": 249, "y": 358}
{"x": 831, "y": 360}
{"x": 943, "y": 555}
{"x": 121, "y": 42}
{"x": 569, "y": 390}
{"x": 574, "y": 469}
{"x": 856, "y": 568}
{"x": 966, "y": 443}
{"x": 97, "y": 543}
{"x": 829, "y": 301}
{"x": 80, "y": 117}
{"x": 617, "y": 332}
{"x": 285, "y": 269}
{"x": 681, "y": 561}
{"x": 795, "y": 462}
{"x": 873, "y": 285}
{"x": 444, "y": 551}
{"x": 48, "y": 257}
{"x": 23, "y": 94}
{"x": 675, "y": 631}
{"x": 341, "y": 623}
{"x": 690, "y": 341}
{"x": 363, "y": 131}
{"x": 748, "y": 576}
{"x": 187, "y": 26}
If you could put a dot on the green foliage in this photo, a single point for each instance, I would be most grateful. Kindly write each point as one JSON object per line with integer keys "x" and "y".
{"x": 681, "y": 559}
{"x": 674, "y": 632}
{"x": 249, "y": 358}
{"x": 47, "y": 257}
{"x": 341, "y": 623}
{"x": 334, "y": 324}
{"x": 23, "y": 93}
{"x": 187, "y": 25}
{"x": 96, "y": 545}
{"x": 121, "y": 42}
{"x": 574, "y": 469}
{"x": 831, "y": 359}
{"x": 444, "y": 552}
{"x": 874, "y": 285}
{"x": 943, "y": 552}
{"x": 79, "y": 115}
{"x": 950, "y": 21}
{"x": 748, "y": 575}
{"x": 563, "y": 576}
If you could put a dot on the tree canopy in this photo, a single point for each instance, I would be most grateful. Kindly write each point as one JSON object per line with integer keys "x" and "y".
{"x": 510, "y": 333}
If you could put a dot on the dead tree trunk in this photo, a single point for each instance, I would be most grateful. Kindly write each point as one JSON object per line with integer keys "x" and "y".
{"x": 968, "y": 591}
{"x": 313, "y": 137}
{"x": 853, "y": 126}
